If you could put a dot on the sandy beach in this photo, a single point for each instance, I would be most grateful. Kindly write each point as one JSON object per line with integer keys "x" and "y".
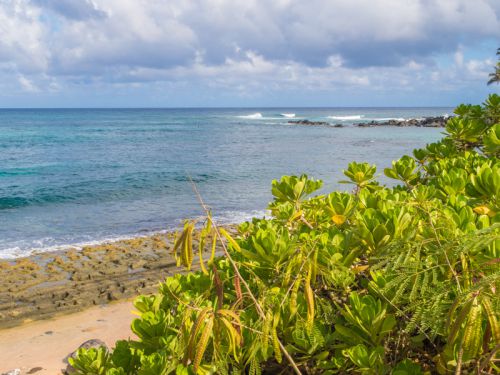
{"x": 40, "y": 347}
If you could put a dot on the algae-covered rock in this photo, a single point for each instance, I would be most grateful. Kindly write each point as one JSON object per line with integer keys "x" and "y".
{"x": 42, "y": 285}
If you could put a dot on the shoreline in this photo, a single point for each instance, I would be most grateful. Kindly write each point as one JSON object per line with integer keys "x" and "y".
{"x": 51, "y": 284}
{"x": 78, "y": 246}
{"x": 233, "y": 218}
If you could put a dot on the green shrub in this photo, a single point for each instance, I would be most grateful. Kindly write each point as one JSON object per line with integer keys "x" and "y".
{"x": 400, "y": 280}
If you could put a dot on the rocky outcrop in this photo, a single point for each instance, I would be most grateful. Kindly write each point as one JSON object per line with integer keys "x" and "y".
{"x": 51, "y": 283}
{"x": 308, "y": 122}
{"x": 426, "y": 122}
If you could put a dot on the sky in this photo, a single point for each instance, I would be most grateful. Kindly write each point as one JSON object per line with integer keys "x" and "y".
{"x": 246, "y": 53}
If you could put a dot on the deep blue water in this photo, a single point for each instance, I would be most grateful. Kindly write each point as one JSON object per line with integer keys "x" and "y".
{"x": 72, "y": 176}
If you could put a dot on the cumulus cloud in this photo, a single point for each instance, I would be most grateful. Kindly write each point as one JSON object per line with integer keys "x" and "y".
{"x": 364, "y": 32}
{"x": 22, "y": 37}
{"x": 27, "y": 85}
{"x": 231, "y": 43}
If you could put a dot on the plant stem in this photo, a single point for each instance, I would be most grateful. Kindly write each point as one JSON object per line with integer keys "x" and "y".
{"x": 238, "y": 274}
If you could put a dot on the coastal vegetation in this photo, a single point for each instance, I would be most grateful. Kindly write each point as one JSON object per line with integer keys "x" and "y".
{"x": 378, "y": 280}
{"x": 495, "y": 76}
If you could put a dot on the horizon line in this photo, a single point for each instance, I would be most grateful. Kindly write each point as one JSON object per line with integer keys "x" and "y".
{"x": 233, "y": 107}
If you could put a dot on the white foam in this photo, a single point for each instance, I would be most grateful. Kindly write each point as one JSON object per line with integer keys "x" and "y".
{"x": 253, "y": 116}
{"x": 390, "y": 118}
{"x": 288, "y": 115}
{"x": 346, "y": 118}
{"x": 17, "y": 252}
{"x": 227, "y": 217}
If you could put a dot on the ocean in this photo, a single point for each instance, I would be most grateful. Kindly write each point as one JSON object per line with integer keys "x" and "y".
{"x": 81, "y": 176}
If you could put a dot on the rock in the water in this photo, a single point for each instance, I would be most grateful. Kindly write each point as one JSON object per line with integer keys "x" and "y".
{"x": 307, "y": 122}
{"x": 428, "y": 122}
{"x": 93, "y": 343}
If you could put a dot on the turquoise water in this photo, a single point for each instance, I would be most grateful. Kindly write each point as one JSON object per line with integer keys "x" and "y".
{"x": 72, "y": 176}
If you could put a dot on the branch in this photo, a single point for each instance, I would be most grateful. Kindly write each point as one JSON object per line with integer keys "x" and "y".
{"x": 238, "y": 274}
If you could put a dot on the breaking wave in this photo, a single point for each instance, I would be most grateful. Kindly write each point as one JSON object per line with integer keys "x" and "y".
{"x": 346, "y": 118}
{"x": 253, "y": 116}
{"x": 390, "y": 118}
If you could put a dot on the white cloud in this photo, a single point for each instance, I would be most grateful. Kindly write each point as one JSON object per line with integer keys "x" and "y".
{"x": 479, "y": 68}
{"x": 245, "y": 45}
{"x": 27, "y": 85}
{"x": 22, "y": 36}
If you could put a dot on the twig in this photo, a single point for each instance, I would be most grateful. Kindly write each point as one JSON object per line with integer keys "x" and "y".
{"x": 489, "y": 358}
{"x": 303, "y": 219}
{"x": 238, "y": 274}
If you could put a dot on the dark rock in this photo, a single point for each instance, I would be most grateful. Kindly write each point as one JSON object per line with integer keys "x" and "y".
{"x": 308, "y": 122}
{"x": 111, "y": 296}
{"x": 93, "y": 343}
{"x": 338, "y": 126}
{"x": 428, "y": 122}
{"x": 34, "y": 370}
